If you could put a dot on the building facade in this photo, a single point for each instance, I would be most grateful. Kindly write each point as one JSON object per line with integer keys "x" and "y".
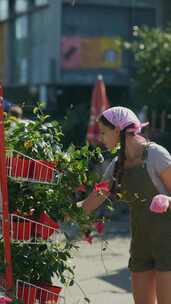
{"x": 166, "y": 12}
{"x": 53, "y": 50}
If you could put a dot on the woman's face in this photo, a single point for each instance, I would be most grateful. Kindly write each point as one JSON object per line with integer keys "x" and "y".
{"x": 109, "y": 137}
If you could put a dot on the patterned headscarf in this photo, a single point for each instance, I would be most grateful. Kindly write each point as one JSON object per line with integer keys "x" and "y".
{"x": 123, "y": 117}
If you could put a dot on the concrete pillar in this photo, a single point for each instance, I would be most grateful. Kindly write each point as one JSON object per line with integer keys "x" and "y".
{"x": 54, "y": 39}
{"x": 159, "y": 13}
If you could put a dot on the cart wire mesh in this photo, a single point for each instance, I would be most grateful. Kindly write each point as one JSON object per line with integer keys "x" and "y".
{"x": 28, "y": 230}
{"x": 34, "y": 294}
{"x": 24, "y": 168}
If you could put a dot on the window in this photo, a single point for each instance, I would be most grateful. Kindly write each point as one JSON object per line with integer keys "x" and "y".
{"x": 41, "y": 2}
{"x": 21, "y": 27}
{"x": 23, "y": 70}
{"x": 4, "y": 9}
{"x": 21, "y": 6}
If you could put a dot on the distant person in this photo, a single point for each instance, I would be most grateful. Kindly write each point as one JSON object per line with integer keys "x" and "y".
{"x": 6, "y": 105}
{"x": 16, "y": 116}
{"x": 16, "y": 111}
{"x": 142, "y": 174}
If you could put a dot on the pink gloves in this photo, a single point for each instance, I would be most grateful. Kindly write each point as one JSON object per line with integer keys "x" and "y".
{"x": 160, "y": 203}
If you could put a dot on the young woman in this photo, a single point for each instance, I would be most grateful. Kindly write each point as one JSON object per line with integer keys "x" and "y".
{"x": 142, "y": 172}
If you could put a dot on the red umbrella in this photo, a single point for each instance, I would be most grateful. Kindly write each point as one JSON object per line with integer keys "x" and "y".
{"x": 99, "y": 103}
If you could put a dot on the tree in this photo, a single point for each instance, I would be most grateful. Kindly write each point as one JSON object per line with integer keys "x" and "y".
{"x": 152, "y": 53}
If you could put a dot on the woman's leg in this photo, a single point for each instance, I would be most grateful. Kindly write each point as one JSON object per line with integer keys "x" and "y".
{"x": 144, "y": 287}
{"x": 163, "y": 287}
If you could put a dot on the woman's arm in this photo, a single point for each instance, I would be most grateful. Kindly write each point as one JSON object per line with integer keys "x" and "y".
{"x": 160, "y": 202}
{"x": 165, "y": 177}
{"x": 93, "y": 201}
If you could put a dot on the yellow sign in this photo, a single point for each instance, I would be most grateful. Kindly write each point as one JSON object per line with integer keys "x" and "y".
{"x": 111, "y": 52}
{"x": 100, "y": 53}
{"x": 91, "y": 53}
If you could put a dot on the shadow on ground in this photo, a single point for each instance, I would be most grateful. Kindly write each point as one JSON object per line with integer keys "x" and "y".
{"x": 120, "y": 279}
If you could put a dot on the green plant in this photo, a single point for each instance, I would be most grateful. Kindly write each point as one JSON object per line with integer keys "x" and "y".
{"x": 151, "y": 49}
{"x": 38, "y": 138}
{"x": 41, "y": 139}
{"x": 39, "y": 263}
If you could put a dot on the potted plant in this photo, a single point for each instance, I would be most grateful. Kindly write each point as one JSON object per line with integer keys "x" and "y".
{"x": 41, "y": 140}
{"x": 37, "y": 264}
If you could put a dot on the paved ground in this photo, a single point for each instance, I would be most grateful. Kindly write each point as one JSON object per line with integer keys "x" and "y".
{"x": 104, "y": 278}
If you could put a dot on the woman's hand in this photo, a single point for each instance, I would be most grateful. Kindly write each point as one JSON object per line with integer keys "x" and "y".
{"x": 160, "y": 203}
{"x": 80, "y": 204}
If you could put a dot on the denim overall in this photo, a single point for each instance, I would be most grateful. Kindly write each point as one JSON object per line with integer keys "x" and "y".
{"x": 150, "y": 232}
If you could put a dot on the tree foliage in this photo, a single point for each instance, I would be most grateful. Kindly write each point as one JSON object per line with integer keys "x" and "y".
{"x": 152, "y": 53}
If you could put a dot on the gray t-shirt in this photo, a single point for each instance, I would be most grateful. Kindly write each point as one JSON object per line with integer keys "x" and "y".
{"x": 158, "y": 159}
